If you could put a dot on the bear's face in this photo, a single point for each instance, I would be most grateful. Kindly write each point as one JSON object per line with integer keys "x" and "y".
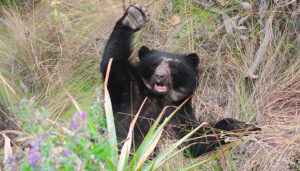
{"x": 167, "y": 75}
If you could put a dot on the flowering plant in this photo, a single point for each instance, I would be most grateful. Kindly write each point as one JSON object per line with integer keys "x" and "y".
{"x": 80, "y": 146}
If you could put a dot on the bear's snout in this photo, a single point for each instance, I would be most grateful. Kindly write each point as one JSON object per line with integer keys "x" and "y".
{"x": 160, "y": 77}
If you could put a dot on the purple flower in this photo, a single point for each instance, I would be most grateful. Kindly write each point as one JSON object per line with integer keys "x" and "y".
{"x": 34, "y": 159}
{"x": 34, "y": 156}
{"x": 34, "y": 153}
{"x": 74, "y": 124}
{"x": 9, "y": 161}
{"x": 38, "y": 145}
{"x": 39, "y": 141}
{"x": 32, "y": 145}
{"x": 33, "y": 150}
{"x": 67, "y": 152}
{"x": 81, "y": 115}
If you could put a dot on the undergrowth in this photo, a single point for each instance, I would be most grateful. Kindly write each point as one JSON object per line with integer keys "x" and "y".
{"x": 50, "y": 51}
{"x": 53, "y": 147}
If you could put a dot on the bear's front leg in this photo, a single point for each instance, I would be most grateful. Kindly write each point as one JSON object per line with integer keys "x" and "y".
{"x": 119, "y": 48}
{"x": 229, "y": 124}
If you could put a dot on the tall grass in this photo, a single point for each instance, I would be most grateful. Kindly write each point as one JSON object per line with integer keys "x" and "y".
{"x": 56, "y": 47}
{"x": 43, "y": 53}
{"x": 224, "y": 91}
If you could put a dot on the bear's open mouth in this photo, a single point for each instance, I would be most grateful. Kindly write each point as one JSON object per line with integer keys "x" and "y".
{"x": 160, "y": 88}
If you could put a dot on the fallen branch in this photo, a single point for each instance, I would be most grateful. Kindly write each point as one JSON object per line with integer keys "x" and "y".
{"x": 261, "y": 50}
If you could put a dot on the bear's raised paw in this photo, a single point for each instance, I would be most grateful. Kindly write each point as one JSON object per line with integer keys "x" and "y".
{"x": 135, "y": 17}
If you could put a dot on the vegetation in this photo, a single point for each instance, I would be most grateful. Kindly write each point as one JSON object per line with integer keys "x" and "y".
{"x": 51, "y": 88}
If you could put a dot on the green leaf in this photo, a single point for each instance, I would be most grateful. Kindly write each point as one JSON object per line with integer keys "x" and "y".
{"x": 111, "y": 132}
{"x": 169, "y": 153}
{"x": 151, "y": 140}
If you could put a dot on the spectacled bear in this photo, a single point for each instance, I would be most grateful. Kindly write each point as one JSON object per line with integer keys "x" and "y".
{"x": 167, "y": 79}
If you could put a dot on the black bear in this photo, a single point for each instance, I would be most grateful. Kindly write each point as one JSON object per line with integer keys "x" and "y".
{"x": 167, "y": 79}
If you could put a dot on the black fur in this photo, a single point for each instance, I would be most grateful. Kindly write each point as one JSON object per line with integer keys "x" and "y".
{"x": 154, "y": 76}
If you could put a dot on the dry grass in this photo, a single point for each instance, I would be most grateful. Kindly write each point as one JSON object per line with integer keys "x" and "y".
{"x": 59, "y": 46}
{"x": 272, "y": 101}
{"x": 53, "y": 47}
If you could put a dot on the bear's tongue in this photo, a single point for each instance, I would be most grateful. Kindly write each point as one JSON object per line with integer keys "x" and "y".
{"x": 160, "y": 88}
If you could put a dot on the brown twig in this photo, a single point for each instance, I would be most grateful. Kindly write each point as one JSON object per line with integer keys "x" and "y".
{"x": 219, "y": 142}
{"x": 108, "y": 71}
{"x": 62, "y": 110}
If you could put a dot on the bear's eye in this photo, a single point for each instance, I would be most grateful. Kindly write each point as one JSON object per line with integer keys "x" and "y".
{"x": 174, "y": 68}
{"x": 154, "y": 65}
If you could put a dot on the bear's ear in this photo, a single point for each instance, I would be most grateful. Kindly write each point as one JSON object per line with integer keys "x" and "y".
{"x": 143, "y": 51}
{"x": 193, "y": 57}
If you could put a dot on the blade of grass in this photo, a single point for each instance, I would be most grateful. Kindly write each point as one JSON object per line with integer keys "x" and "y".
{"x": 152, "y": 164}
{"x": 123, "y": 159}
{"x": 74, "y": 102}
{"x": 9, "y": 87}
{"x": 163, "y": 157}
{"x": 150, "y": 149}
{"x": 209, "y": 159}
{"x": 146, "y": 141}
{"x": 111, "y": 131}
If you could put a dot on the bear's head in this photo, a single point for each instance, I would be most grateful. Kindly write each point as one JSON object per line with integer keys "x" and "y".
{"x": 170, "y": 76}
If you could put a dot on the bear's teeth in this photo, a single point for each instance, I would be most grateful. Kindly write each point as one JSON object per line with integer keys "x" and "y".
{"x": 160, "y": 89}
